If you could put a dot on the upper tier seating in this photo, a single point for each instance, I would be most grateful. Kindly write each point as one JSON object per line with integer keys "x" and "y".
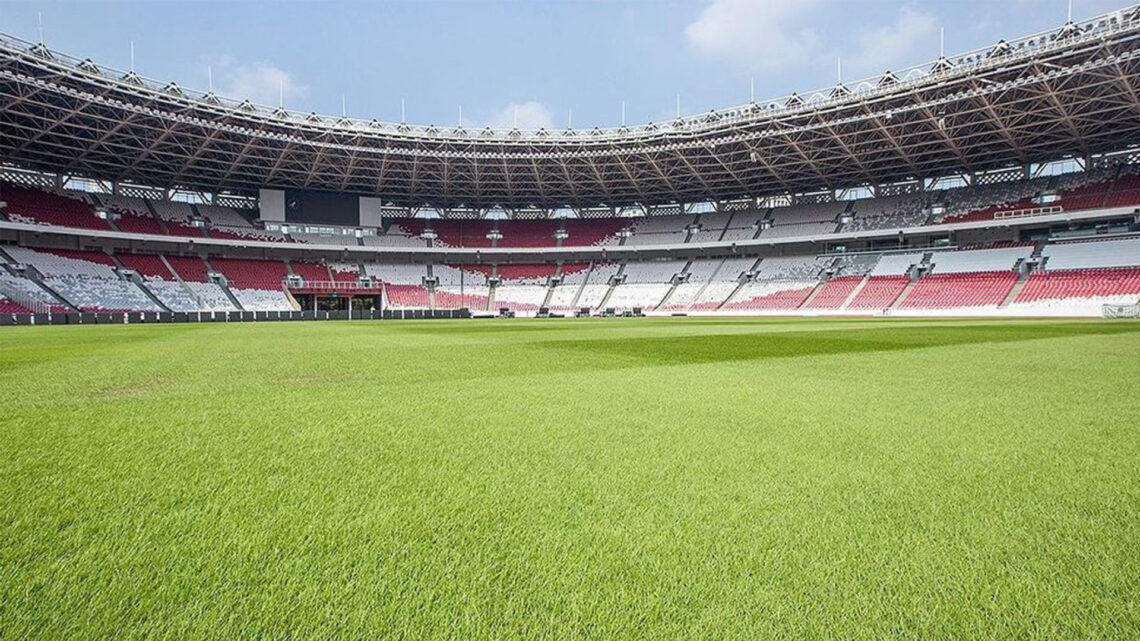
{"x": 224, "y": 217}
{"x": 980, "y": 202}
{"x": 808, "y": 213}
{"x": 744, "y": 225}
{"x": 256, "y": 233}
{"x": 892, "y": 212}
{"x": 798, "y": 229}
{"x": 134, "y": 216}
{"x": 584, "y": 233}
{"x": 138, "y": 223}
{"x": 712, "y": 227}
{"x": 43, "y": 208}
{"x": 659, "y": 230}
{"x": 176, "y": 217}
{"x": 121, "y": 204}
{"x": 528, "y": 233}
{"x": 396, "y": 237}
{"x": 451, "y": 233}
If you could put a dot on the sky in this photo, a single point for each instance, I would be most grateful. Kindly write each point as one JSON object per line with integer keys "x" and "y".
{"x": 540, "y": 59}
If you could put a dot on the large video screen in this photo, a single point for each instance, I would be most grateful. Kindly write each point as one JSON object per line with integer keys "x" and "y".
{"x": 307, "y": 206}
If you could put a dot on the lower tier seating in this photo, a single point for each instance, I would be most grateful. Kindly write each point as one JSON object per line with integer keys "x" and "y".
{"x": 879, "y": 292}
{"x": 473, "y": 297}
{"x": 764, "y": 295}
{"x": 947, "y": 291}
{"x": 520, "y": 298}
{"x": 1080, "y": 283}
{"x": 834, "y": 292}
{"x": 407, "y": 296}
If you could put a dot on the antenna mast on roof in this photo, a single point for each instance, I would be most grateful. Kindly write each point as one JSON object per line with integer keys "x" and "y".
{"x": 403, "y": 113}
{"x": 623, "y": 113}
{"x": 343, "y": 107}
{"x": 281, "y": 93}
{"x": 132, "y": 56}
{"x": 752, "y": 89}
{"x": 678, "y": 105}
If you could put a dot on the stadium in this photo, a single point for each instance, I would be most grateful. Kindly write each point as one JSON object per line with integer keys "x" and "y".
{"x": 852, "y": 363}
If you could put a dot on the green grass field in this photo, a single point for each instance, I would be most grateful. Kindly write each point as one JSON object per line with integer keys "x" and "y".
{"x": 593, "y": 479}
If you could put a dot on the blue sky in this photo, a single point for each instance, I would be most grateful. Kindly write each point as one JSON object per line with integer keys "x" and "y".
{"x": 542, "y": 57}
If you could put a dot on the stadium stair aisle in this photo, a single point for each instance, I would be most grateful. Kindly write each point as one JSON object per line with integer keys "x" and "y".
{"x": 225, "y": 288}
{"x": 854, "y": 293}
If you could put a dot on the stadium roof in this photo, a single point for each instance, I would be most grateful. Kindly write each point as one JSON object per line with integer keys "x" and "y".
{"x": 1068, "y": 92}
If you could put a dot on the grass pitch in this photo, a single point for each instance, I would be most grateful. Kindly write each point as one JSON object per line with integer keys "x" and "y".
{"x": 600, "y": 479}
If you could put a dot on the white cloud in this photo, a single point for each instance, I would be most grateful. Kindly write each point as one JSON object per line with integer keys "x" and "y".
{"x": 763, "y": 36}
{"x": 896, "y": 44}
{"x": 258, "y": 82}
{"x": 531, "y": 115}
{"x": 749, "y": 35}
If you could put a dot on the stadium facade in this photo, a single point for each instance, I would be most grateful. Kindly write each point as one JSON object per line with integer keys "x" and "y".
{"x": 999, "y": 181}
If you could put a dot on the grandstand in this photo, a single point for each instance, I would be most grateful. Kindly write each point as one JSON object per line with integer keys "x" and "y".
{"x": 991, "y": 235}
